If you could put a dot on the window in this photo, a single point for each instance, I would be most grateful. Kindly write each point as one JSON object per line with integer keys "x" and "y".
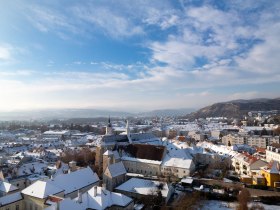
{"x": 17, "y": 207}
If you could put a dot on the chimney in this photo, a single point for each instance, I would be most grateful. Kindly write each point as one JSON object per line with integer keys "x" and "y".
{"x": 57, "y": 206}
{"x": 109, "y": 161}
{"x": 95, "y": 191}
{"x": 79, "y": 197}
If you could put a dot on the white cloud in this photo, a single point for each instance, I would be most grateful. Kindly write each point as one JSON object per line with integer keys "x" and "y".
{"x": 16, "y": 73}
{"x": 159, "y": 88}
{"x": 214, "y": 35}
{"x": 82, "y": 19}
{"x": 264, "y": 57}
{"x": 163, "y": 18}
{"x": 116, "y": 19}
{"x": 115, "y": 25}
{"x": 9, "y": 53}
{"x": 203, "y": 53}
{"x": 77, "y": 62}
{"x": 247, "y": 95}
{"x": 50, "y": 20}
{"x": 5, "y": 53}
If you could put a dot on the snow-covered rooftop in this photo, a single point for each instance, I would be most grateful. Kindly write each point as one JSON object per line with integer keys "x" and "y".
{"x": 219, "y": 149}
{"x": 75, "y": 180}
{"x": 64, "y": 182}
{"x": 103, "y": 199}
{"x": 108, "y": 152}
{"x": 117, "y": 169}
{"x": 56, "y": 132}
{"x": 32, "y": 168}
{"x": 66, "y": 204}
{"x": 42, "y": 189}
{"x": 156, "y": 162}
{"x": 7, "y": 187}
{"x": 175, "y": 157}
{"x": 10, "y": 198}
{"x": 143, "y": 186}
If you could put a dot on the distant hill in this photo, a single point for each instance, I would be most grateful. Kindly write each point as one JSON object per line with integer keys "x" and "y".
{"x": 49, "y": 114}
{"x": 166, "y": 112}
{"x": 236, "y": 108}
{"x": 84, "y": 114}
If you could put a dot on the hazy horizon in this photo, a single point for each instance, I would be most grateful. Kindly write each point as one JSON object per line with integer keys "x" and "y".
{"x": 114, "y": 109}
{"x": 134, "y": 110}
{"x": 137, "y": 55}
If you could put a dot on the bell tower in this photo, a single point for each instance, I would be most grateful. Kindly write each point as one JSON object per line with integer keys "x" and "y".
{"x": 128, "y": 132}
{"x": 109, "y": 129}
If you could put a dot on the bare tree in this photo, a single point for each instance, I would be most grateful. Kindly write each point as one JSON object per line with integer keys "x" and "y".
{"x": 243, "y": 198}
{"x": 187, "y": 202}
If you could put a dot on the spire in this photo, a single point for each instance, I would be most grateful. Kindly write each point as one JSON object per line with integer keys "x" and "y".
{"x": 127, "y": 125}
{"x": 109, "y": 122}
{"x": 128, "y": 132}
{"x": 109, "y": 130}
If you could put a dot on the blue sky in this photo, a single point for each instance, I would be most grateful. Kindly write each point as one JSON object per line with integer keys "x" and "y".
{"x": 137, "y": 55}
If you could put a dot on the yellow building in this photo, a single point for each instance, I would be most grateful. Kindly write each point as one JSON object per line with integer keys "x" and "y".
{"x": 271, "y": 173}
{"x": 259, "y": 180}
{"x": 246, "y": 179}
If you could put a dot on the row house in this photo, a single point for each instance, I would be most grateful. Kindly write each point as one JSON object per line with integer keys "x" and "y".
{"x": 245, "y": 164}
{"x": 250, "y": 140}
{"x": 272, "y": 154}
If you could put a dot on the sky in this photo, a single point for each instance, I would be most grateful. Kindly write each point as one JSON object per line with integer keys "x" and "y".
{"x": 137, "y": 55}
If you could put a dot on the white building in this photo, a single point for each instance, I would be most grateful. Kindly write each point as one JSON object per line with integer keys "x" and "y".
{"x": 138, "y": 188}
{"x": 96, "y": 198}
{"x": 272, "y": 154}
{"x": 64, "y": 186}
{"x": 251, "y": 140}
{"x": 177, "y": 162}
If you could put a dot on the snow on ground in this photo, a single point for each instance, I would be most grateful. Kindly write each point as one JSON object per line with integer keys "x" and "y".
{"x": 223, "y": 205}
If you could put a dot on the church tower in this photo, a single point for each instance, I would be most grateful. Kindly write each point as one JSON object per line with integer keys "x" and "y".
{"x": 128, "y": 132}
{"x": 108, "y": 157}
{"x": 109, "y": 129}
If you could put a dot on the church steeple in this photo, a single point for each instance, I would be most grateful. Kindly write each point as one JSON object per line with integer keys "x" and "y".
{"x": 109, "y": 129}
{"x": 127, "y": 127}
{"x": 109, "y": 122}
{"x": 128, "y": 132}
